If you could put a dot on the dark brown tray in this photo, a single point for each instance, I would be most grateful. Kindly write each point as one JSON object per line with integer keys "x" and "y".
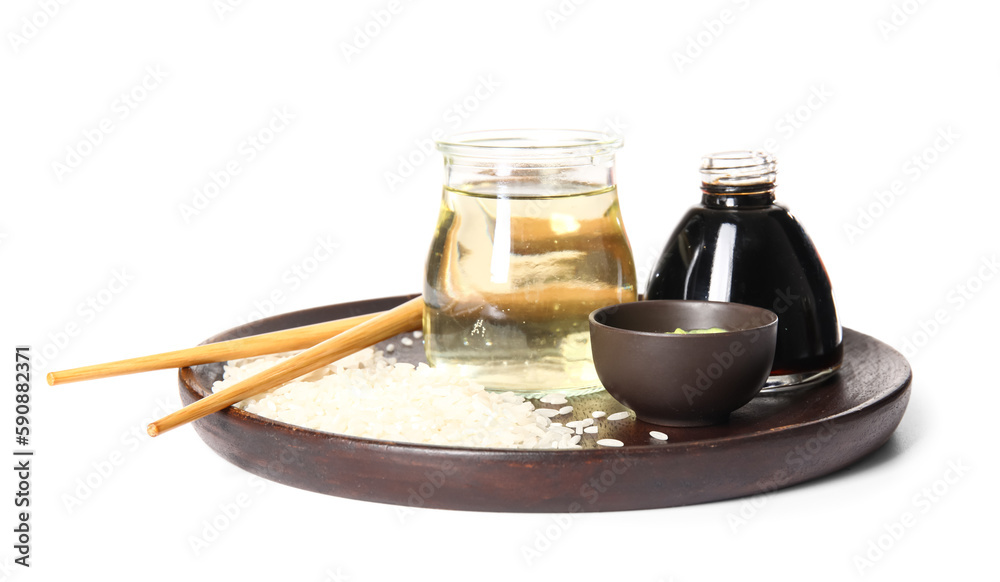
{"x": 771, "y": 443}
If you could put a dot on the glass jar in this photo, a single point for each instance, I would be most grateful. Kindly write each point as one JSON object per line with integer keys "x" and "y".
{"x": 740, "y": 246}
{"x": 529, "y": 241}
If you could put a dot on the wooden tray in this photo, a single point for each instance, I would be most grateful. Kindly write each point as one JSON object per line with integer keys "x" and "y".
{"x": 771, "y": 443}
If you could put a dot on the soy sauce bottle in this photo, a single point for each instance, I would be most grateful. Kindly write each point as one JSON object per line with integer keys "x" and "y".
{"x": 740, "y": 246}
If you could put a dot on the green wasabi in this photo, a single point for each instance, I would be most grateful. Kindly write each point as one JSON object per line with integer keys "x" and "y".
{"x": 708, "y": 330}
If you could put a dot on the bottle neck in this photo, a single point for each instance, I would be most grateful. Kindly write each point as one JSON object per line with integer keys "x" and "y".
{"x": 738, "y": 179}
{"x": 735, "y": 197}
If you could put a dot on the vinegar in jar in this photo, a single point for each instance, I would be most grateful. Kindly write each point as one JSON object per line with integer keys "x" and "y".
{"x": 511, "y": 281}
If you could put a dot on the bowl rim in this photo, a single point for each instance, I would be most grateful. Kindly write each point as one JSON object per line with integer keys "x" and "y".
{"x": 766, "y": 313}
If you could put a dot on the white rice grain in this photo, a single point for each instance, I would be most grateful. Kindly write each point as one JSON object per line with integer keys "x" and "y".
{"x": 610, "y": 443}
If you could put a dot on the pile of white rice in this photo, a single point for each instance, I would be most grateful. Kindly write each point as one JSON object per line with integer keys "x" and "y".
{"x": 369, "y": 395}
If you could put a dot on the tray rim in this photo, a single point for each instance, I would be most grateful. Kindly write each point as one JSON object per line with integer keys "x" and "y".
{"x": 186, "y": 377}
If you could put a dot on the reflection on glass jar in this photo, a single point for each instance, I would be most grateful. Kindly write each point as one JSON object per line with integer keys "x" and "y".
{"x": 529, "y": 241}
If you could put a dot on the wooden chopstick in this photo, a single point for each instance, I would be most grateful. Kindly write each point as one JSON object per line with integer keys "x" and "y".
{"x": 286, "y": 340}
{"x": 383, "y": 326}
{"x": 569, "y": 297}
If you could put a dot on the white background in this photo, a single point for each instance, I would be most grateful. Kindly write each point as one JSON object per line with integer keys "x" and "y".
{"x": 847, "y": 98}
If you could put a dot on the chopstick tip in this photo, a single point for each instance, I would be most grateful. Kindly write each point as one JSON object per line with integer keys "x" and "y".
{"x": 152, "y": 430}
{"x": 51, "y": 378}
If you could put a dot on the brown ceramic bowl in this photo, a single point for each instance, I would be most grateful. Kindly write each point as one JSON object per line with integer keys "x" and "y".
{"x": 683, "y": 380}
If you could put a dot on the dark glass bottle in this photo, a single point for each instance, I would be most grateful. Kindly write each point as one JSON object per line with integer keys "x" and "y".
{"x": 740, "y": 246}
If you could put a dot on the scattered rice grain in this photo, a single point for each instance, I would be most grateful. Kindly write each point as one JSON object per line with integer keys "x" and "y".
{"x": 565, "y": 410}
{"x": 598, "y": 413}
{"x": 618, "y": 415}
{"x": 418, "y": 334}
{"x": 610, "y": 443}
{"x": 590, "y": 430}
{"x": 406, "y": 341}
{"x": 658, "y": 435}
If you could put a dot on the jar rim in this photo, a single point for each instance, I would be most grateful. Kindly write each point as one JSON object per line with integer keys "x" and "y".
{"x": 529, "y": 144}
{"x": 738, "y": 168}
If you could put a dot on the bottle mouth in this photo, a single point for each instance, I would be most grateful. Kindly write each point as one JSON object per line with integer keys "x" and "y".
{"x": 739, "y": 168}
{"x": 545, "y": 145}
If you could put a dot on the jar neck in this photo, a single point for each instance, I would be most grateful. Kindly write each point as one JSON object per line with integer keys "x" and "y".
{"x": 533, "y": 179}
{"x": 529, "y": 163}
{"x": 711, "y": 197}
